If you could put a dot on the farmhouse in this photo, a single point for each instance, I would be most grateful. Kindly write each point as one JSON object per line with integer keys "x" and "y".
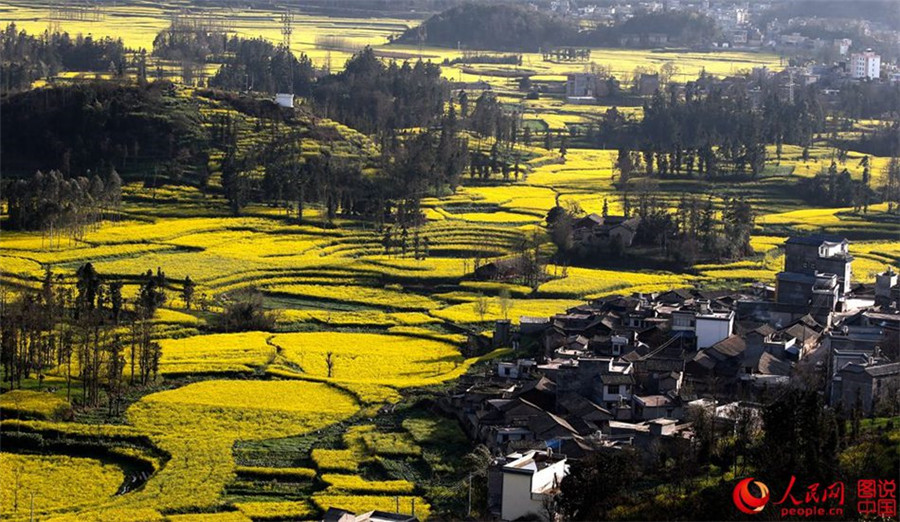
{"x": 528, "y": 479}
{"x": 594, "y": 231}
{"x": 579, "y": 85}
{"x": 864, "y": 385}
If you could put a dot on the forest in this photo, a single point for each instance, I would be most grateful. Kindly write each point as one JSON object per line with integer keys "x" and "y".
{"x": 86, "y": 126}
{"x": 25, "y": 58}
{"x": 511, "y": 27}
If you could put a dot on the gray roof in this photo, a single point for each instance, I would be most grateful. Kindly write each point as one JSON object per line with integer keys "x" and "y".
{"x": 883, "y": 370}
{"x": 796, "y": 277}
{"x": 815, "y": 239}
{"x": 616, "y": 378}
{"x": 771, "y": 365}
{"x": 731, "y": 346}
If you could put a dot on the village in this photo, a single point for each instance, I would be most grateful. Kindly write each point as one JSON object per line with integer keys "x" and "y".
{"x": 633, "y": 371}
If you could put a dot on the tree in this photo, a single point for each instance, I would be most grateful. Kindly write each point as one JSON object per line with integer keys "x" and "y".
{"x": 115, "y": 300}
{"x": 329, "y": 363}
{"x": 235, "y": 180}
{"x": 150, "y": 296}
{"x": 245, "y": 312}
{"x": 482, "y": 306}
{"x": 187, "y": 292}
{"x": 505, "y": 302}
{"x": 463, "y": 104}
{"x": 625, "y": 166}
{"x": 800, "y": 438}
{"x": 890, "y": 189}
{"x": 588, "y": 491}
{"x": 739, "y": 219}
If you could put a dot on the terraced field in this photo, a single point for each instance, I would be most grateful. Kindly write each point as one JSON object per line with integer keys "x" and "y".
{"x": 279, "y": 425}
{"x": 357, "y": 326}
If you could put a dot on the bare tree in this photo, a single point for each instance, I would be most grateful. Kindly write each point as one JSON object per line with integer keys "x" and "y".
{"x": 482, "y": 306}
{"x": 329, "y": 362}
{"x": 505, "y": 303}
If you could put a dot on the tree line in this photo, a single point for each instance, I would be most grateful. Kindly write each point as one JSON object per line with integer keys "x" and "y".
{"x": 386, "y": 188}
{"x": 89, "y": 126}
{"x": 696, "y": 229}
{"x": 510, "y": 27}
{"x": 82, "y": 330}
{"x": 26, "y": 58}
{"x": 711, "y": 132}
{"x": 103, "y": 341}
{"x": 59, "y": 205}
{"x": 257, "y": 65}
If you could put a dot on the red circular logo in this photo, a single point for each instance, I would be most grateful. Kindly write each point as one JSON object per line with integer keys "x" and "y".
{"x": 746, "y": 501}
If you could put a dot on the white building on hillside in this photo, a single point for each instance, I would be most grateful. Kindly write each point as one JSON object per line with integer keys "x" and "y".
{"x": 713, "y": 326}
{"x": 528, "y": 479}
{"x": 285, "y": 100}
{"x": 865, "y": 65}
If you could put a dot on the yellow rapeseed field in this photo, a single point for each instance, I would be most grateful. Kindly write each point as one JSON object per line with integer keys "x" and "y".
{"x": 198, "y": 424}
{"x": 237, "y": 352}
{"x": 356, "y": 485}
{"x": 395, "y": 360}
{"x": 283, "y": 510}
{"x": 363, "y": 503}
{"x": 469, "y": 313}
{"x": 362, "y": 295}
{"x": 57, "y": 483}
{"x": 34, "y": 404}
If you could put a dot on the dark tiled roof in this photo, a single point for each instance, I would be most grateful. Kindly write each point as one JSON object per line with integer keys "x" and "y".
{"x": 577, "y": 405}
{"x": 771, "y": 365}
{"x": 616, "y": 378}
{"x": 801, "y": 332}
{"x": 814, "y": 239}
{"x": 662, "y": 365}
{"x": 795, "y": 277}
{"x": 881, "y": 370}
{"x": 631, "y": 356}
{"x": 731, "y": 346}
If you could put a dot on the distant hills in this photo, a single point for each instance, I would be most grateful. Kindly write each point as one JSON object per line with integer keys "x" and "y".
{"x": 513, "y": 27}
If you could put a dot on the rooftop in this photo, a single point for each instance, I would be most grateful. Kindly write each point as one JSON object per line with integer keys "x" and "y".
{"x": 815, "y": 239}
{"x": 532, "y": 461}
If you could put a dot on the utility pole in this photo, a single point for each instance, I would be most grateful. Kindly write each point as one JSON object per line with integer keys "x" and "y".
{"x": 469, "y": 509}
{"x": 287, "y": 20}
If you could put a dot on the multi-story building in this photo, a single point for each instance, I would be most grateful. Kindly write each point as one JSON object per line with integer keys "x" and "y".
{"x": 865, "y": 65}
{"x": 580, "y": 85}
{"x": 528, "y": 479}
{"x": 819, "y": 254}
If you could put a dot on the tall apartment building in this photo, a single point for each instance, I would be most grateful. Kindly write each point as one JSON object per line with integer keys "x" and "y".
{"x": 865, "y": 65}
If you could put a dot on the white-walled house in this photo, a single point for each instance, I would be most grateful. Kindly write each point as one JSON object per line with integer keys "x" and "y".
{"x": 528, "y": 479}
{"x": 285, "y": 100}
{"x": 713, "y": 327}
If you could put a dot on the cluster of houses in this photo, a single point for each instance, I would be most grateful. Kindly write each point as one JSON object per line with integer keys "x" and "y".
{"x": 587, "y": 88}
{"x": 737, "y": 24}
{"x": 627, "y": 370}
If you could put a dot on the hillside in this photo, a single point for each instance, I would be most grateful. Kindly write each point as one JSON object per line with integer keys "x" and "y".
{"x": 155, "y": 133}
{"x": 498, "y": 26}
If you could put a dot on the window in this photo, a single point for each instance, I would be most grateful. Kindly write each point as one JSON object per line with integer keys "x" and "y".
{"x": 613, "y": 389}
